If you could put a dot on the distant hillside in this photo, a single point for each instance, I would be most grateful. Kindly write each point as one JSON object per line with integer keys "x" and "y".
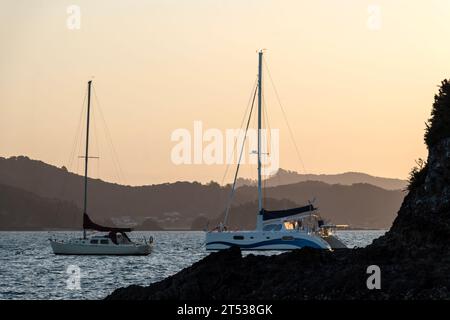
{"x": 182, "y": 205}
{"x": 23, "y": 210}
{"x": 173, "y": 205}
{"x": 149, "y": 224}
{"x": 283, "y": 177}
{"x": 359, "y": 205}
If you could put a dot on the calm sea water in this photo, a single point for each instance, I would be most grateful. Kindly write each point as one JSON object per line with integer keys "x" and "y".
{"x": 29, "y": 269}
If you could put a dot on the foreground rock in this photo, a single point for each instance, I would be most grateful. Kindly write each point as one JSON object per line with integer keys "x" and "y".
{"x": 414, "y": 256}
{"x": 302, "y": 274}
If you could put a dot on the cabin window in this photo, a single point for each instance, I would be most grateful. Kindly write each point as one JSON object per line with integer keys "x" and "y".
{"x": 94, "y": 241}
{"x": 287, "y": 238}
{"x": 272, "y": 227}
{"x": 104, "y": 241}
{"x": 289, "y": 225}
{"x": 238, "y": 237}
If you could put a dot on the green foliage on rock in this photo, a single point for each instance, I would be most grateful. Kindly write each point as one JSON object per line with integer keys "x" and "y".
{"x": 438, "y": 126}
{"x": 417, "y": 174}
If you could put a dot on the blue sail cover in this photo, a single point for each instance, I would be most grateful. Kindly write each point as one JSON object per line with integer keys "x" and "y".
{"x": 277, "y": 214}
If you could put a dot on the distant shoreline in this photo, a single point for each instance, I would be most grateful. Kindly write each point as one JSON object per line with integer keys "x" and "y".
{"x": 165, "y": 230}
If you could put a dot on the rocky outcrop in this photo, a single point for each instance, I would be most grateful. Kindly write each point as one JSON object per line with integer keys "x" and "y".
{"x": 423, "y": 220}
{"x": 303, "y": 274}
{"x": 414, "y": 256}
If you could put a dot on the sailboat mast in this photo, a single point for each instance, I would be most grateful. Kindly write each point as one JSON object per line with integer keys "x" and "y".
{"x": 86, "y": 156}
{"x": 259, "y": 217}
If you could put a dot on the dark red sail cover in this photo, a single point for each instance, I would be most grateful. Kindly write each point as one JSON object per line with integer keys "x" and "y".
{"x": 89, "y": 224}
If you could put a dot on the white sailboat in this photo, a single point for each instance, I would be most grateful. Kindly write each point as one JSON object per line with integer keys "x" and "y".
{"x": 114, "y": 242}
{"x": 275, "y": 230}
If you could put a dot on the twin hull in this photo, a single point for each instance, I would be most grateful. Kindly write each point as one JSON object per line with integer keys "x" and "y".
{"x": 259, "y": 240}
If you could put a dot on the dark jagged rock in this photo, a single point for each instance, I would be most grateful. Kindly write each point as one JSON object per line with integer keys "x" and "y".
{"x": 424, "y": 217}
{"x": 414, "y": 256}
{"x": 303, "y": 274}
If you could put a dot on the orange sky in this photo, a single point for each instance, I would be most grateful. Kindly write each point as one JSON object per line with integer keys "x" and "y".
{"x": 356, "y": 98}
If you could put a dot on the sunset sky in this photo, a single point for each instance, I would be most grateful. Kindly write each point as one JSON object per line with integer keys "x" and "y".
{"x": 356, "y": 94}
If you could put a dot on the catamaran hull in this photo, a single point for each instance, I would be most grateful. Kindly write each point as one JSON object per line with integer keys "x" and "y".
{"x": 334, "y": 242}
{"x": 67, "y": 248}
{"x": 264, "y": 240}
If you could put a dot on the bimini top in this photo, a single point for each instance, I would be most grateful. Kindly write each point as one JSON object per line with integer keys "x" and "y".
{"x": 277, "y": 214}
{"x": 90, "y": 225}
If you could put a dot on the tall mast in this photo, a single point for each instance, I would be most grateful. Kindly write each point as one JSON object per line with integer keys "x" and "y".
{"x": 86, "y": 155}
{"x": 259, "y": 217}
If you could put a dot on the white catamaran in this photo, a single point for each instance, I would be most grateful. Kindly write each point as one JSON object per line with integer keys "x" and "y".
{"x": 114, "y": 242}
{"x": 275, "y": 230}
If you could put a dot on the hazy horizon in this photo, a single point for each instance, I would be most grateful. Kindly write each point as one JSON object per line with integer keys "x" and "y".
{"x": 357, "y": 98}
{"x": 219, "y": 182}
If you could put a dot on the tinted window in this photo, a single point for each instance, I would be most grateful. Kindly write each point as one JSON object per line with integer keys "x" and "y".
{"x": 287, "y": 238}
{"x": 272, "y": 227}
{"x": 104, "y": 241}
{"x": 238, "y": 237}
{"x": 94, "y": 241}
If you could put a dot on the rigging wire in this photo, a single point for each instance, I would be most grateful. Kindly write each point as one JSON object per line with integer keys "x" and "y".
{"x": 285, "y": 116}
{"x": 115, "y": 158}
{"x": 267, "y": 152}
{"x": 240, "y": 128}
{"x": 77, "y": 133}
{"x": 80, "y": 144}
{"x": 97, "y": 145}
{"x": 73, "y": 150}
{"x": 239, "y": 161}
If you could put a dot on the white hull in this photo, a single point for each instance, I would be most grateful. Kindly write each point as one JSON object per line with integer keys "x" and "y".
{"x": 260, "y": 240}
{"x": 83, "y": 247}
